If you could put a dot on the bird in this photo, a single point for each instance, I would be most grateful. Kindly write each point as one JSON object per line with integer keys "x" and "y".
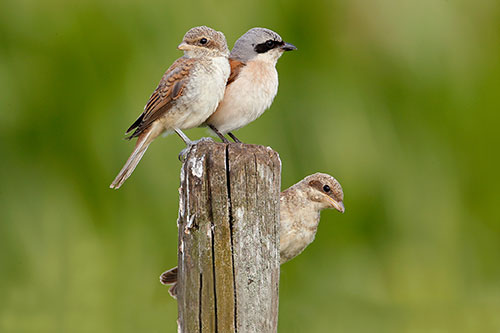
{"x": 186, "y": 96}
{"x": 300, "y": 208}
{"x": 253, "y": 82}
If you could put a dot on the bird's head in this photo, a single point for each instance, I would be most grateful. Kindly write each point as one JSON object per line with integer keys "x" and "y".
{"x": 260, "y": 44}
{"x": 324, "y": 190}
{"x": 204, "y": 41}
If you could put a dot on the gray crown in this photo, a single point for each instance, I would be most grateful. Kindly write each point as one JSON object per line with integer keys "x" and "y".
{"x": 243, "y": 49}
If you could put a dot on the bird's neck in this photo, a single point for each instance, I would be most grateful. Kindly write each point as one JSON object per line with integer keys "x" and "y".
{"x": 308, "y": 212}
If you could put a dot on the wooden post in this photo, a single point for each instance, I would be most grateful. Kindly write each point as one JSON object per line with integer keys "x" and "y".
{"x": 229, "y": 239}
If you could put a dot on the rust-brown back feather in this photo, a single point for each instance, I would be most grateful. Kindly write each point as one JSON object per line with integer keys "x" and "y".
{"x": 236, "y": 67}
{"x": 170, "y": 88}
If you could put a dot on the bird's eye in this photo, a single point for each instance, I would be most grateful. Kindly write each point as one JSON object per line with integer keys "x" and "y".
{"x": 266, "y": 46}
{"x": 326, "y": 188}
{"x": 203, "y": 41}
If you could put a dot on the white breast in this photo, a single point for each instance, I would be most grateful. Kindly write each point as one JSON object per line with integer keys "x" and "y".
{"x": 205, "y": 91}
{"x": 247, "y": 97}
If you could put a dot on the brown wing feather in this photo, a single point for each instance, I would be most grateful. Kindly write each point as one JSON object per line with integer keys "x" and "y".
{"x": 236, "y": 67}
{"x": 170, "y": 88}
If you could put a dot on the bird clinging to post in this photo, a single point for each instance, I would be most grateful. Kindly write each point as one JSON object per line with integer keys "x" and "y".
{"x": 186, "y": 96}
{"x": 300, "y": 208}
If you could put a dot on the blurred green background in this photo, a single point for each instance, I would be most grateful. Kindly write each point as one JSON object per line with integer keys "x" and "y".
{"x": 399, "y": 100}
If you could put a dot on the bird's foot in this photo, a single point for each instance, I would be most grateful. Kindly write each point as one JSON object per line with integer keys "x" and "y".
{"x": 189, "y": 145}
{"x": 234, "y": 137}
{"x": 219, "y": 134}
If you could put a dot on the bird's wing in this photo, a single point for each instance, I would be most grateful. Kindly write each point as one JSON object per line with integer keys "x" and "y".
{"x": 236, "y": 67}
{"x": 170, "y": 88}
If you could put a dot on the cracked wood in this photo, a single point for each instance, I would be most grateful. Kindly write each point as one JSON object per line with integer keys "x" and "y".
{"x": 229, "y": 239}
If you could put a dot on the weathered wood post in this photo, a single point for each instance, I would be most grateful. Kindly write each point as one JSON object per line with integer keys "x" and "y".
{"x": 229, "y": 239}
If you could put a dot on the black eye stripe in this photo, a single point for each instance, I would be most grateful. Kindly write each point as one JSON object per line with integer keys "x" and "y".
{"x": 267, "y": 45}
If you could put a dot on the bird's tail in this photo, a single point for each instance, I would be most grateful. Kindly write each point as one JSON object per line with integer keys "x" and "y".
{"x": 173, "y": 290}
{"x": 170, "y": 277}
{"x": 141, "y": 146}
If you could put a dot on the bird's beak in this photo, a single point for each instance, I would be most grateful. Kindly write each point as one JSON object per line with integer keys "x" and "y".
{"x": 183, "y": 46}
{"x": 288, "y": 47}
{"x": 338, "y": 205}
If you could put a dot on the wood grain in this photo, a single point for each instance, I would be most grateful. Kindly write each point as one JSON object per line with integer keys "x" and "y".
{"x": 229, "y": 238}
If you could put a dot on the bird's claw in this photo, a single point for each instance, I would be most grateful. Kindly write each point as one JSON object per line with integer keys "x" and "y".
{"x": 183, "y": 154}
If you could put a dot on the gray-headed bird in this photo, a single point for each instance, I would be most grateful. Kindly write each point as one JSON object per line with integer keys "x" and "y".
{"x": 253, "y": 82}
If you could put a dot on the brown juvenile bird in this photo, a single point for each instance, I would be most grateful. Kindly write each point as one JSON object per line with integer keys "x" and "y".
{"x": 186, "y": 96}
{"x": 253, "y": 82}
{"x": 300, "y": 208}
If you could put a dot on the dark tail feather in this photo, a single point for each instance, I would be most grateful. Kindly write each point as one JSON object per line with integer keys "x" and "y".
{"x": 140, "y": 148}
{"x": 173, "y": 290}
{"x": 170, "y": 277}
{"x": 135, "y": 124}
